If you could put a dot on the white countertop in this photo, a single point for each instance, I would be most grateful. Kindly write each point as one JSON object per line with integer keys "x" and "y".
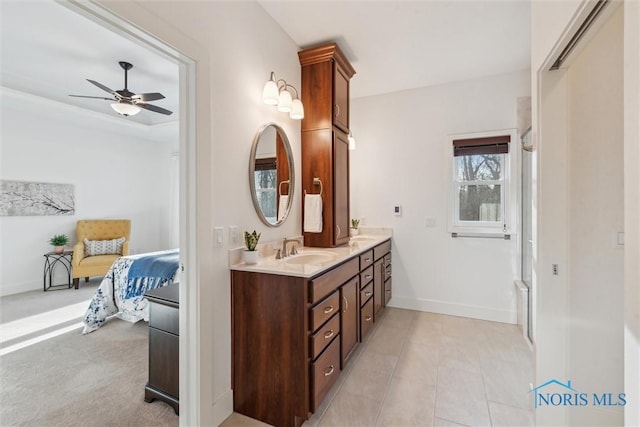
{"x": 321, "y": 259}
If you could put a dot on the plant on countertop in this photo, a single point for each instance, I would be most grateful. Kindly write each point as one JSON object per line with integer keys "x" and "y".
{"x": 355, "y": 223}
{"x": 251, "y": 240}
{"x": 59, "y": 240}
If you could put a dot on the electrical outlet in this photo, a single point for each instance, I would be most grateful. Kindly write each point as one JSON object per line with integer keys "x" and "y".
{"x": 218, "y": 237}
{"x": 234, "y": 235}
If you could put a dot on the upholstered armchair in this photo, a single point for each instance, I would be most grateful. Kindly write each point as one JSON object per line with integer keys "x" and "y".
{"x": 102, "y": 234}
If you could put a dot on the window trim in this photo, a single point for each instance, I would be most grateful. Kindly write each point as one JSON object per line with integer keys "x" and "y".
{"x": 509, "y": 193}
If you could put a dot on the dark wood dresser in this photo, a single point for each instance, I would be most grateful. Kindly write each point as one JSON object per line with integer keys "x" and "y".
{"x": 164, "y": 346}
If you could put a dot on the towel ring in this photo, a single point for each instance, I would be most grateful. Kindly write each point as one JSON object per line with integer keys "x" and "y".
{"x": 316, "y": 181}
{"x": 280, "y": 187}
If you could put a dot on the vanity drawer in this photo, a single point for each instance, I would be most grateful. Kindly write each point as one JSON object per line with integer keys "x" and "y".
{"x": 366, "y": 276}
{"x": 387, "y": 291}
{"x": 387, "y": 259}
{"x": 323, "y": 337}
{"x": 366, "y": 259}
{"x": 366, "y": 319}
{"x": 324, "y": 373}
{"x": 324, "y": 310}
{"x": 366, "y": 293}
{"x": 326, "y": 283}
{"x": 381, "y": 250}
{"x": 387, "y": 271}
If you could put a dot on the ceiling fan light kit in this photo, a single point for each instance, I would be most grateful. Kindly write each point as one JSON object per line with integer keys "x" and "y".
{"x": 128, "y": 103}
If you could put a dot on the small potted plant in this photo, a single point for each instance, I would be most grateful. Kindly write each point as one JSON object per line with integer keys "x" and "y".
{"x": 58, "y": 241}
{"x": 354, "y": 227}
{"x": 250, "y": 254}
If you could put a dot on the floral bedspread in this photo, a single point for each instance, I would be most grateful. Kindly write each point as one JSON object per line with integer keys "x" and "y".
{"x": 110, "y": 298}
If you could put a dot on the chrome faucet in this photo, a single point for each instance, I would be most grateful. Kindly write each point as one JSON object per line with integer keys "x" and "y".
{"x": 285, "y": 248}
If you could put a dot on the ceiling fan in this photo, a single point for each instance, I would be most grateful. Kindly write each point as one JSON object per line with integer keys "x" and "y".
{"x": 128, "y": 103}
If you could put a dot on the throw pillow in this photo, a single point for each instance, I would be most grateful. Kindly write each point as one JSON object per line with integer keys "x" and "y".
{"x": 103, "y": 247}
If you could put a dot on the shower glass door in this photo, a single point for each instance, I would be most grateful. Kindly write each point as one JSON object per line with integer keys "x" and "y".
{"x": 527, "y": 224}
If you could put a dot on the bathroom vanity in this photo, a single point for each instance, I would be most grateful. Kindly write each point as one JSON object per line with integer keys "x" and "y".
{"x": 297, "y": 321}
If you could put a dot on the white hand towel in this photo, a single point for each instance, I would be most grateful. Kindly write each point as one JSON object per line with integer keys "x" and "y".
{"x": 282, "y": 206}
{"x": 313, "y": 213}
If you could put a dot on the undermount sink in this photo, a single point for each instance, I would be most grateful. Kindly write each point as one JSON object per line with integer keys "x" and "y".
{"x": 310, "y": 258}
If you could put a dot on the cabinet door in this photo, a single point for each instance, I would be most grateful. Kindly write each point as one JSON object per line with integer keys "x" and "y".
{"x": 378, "y": 286}
{"x": 341, "y": 188}
{"x": 340, "y": 98}
{"x": 349, "y": 316}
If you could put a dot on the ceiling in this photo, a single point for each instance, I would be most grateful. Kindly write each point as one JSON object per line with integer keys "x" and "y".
{"x": 67, "y": 48}
{"x": 400, "y": 45}
{"x": 393, "y": 45}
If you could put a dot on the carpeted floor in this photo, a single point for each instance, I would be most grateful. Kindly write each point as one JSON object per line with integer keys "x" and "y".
{"x": 82, "y": 380}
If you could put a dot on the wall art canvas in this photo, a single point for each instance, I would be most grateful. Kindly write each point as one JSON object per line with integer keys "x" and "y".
{"x": 20, "y": 198}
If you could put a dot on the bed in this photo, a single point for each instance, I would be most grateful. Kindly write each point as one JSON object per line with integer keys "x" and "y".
{"x": 122, "y": 289}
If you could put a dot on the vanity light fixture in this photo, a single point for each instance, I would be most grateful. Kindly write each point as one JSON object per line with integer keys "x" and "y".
{"x": 126, "y": 108}
{"x": 278, "y": 93}
{"x": 352, "y": 141}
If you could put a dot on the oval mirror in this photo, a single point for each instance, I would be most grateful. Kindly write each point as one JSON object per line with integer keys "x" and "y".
{"x": 271, "y": 175}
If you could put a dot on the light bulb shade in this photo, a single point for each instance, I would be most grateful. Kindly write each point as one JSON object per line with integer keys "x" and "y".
{"x": 125, "y": 108}
{"x": 270, "y": 93}
{"x": 285, "y": 101}
{"x": 297, "y": 110}
{"x": 352, "y": 142}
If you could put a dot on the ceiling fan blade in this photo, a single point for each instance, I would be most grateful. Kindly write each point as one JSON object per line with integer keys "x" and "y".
{"x": 146, "y": 97}
{"x": 153, "y": 108}
{"x": 103, "y": 87}
{"x": 94, "y": 97}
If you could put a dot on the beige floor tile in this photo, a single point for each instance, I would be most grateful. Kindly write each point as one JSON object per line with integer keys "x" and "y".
{"x": 460, "y": 353}
{"x": 239, "y": 420}
{"x": 464, "y": 328}
{"x": 348, "y": 409}
{"x": 439, "y": 422}
{"x": 460, "y": 397}
{"x": 419, "y": 362}
{"x": 426, "y": 329}
{"x": 398, "y": 318}
{"x": 508, "y": 416}
{"x": 507, "y": 382}
{"x": 387, "y": 340}
{"x": 367, "y": 380}
{"x": 408, "y": 403}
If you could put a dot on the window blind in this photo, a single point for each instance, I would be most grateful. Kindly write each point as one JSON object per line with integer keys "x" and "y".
{"x": 487, "y": 145}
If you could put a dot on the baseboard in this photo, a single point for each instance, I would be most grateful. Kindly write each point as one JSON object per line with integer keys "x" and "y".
{"x": 223, "y": 407}
{"x": 17, "y": 289}
{"x": 453, "y": 309}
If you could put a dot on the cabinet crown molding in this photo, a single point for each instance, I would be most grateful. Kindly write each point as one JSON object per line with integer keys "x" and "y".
{"x": 325, "y": 53}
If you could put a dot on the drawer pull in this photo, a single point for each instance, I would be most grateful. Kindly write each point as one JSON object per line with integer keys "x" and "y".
{"x": 367, "y": 260}
{"x": 346, "y": 304}
{"x": 328, "y": 334}
{"x": 328, "y": 310}
{"x": 368, "y": 294}
{"x": 367, "y": 318}
{"x": 329, "y": 371}
{"x": 367, "y": 276}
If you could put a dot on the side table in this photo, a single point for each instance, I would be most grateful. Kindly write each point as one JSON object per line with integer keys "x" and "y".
{"x": 51, "y": 259}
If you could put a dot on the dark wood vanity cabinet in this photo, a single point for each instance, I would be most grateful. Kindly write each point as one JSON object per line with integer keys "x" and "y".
{"x": 292, "y": 336}
{"x": 164, "y": 346}
{"x": 325, "y": 79}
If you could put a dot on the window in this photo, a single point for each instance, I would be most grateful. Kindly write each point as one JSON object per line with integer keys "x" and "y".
{"x": 265, "y": 179}
{"x": 481, "y": 190}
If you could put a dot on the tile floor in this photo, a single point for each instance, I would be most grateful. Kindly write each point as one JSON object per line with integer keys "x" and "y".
{"x": 425, "y": 369}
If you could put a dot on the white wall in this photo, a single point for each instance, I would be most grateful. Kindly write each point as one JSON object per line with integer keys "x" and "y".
{"x": 403, "y": 157}
{"x": 235, "y": 45}
{"x": 118, "y": 171}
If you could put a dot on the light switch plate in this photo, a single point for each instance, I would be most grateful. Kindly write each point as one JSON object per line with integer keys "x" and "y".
{"x": 397, "y": 210}
{"x": 218, "y": 237}
{"x": 430, "y": 222}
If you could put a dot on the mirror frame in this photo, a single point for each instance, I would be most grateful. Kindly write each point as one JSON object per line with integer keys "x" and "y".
{"x": 252, "y": 170}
